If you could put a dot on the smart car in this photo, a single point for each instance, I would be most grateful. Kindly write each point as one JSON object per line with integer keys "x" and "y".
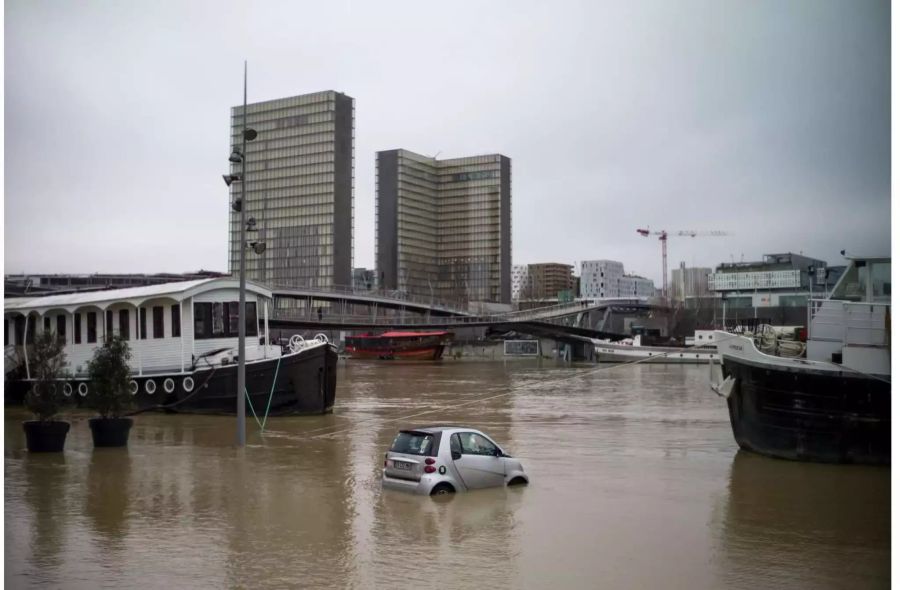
{"x": 445, "y": 459}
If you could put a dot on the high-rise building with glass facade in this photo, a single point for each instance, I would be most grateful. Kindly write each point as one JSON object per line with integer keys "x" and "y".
{"x": 299, "y": 175}
{"x": 443, "y": 226}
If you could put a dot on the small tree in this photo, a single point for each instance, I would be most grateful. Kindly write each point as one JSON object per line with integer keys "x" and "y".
{"x": 47, "y": 367}
{"x": 110, "y": 376}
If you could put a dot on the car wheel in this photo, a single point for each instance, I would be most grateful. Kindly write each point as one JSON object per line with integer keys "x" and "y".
{"x": 517, "y": 481}
{"x": 442, "y": 489}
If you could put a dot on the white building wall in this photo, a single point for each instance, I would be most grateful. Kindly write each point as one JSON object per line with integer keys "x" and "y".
{"x": 632, "y": 286}
{"x": 519, "y": 278}
{"x": 600, "y": 278}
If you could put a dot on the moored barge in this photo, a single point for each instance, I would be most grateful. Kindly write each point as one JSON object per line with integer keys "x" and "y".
{"x": 834, "y": 403}
{"x": 399, "y": 345}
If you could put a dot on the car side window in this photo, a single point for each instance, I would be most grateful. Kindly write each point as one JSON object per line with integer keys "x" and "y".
{"x": 475, "y": 444}
{"x": 455, "y": 446}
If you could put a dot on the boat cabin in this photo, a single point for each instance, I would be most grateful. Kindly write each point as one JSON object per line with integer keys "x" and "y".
{"x": 852, "y": 327}
{"x": 169, "y": 327}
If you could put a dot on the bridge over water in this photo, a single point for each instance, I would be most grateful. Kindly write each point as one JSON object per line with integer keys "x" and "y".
{"x": 306, "y": 309}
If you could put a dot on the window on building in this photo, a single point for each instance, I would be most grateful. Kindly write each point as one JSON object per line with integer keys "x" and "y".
{"x": 123, "y": 324}
{"x": 92, "y": 326}
{"x": 76, "y": 321}
{"x": 176, "y": 321}
{"x": 142, "y": 319}
{"x": 61, "y": 327}
{"x": 158, "y": 324}
{"x": 46, "y": 324}
{"x": 109, "y": 323}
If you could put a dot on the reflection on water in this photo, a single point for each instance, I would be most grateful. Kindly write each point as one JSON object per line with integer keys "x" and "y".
{"x": 636, "y": 483}
{"x": 807, "y": 525}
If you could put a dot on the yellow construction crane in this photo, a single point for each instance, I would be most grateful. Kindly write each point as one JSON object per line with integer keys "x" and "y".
{"x": 664, "y": 238}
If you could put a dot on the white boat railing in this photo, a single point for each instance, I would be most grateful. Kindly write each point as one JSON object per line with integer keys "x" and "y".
{"x": 852, "y": 323}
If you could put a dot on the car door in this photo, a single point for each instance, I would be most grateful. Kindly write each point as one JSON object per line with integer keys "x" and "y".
{"x": 477, "y": 464}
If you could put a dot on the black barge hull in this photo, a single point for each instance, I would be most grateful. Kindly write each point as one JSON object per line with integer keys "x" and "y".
{"x": 810, "y": 415}
{"x": 296, "y": 383}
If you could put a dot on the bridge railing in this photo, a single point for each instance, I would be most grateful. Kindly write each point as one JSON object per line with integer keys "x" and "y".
{"x": 541, "y": 313}
{"x": 391, "y": 294}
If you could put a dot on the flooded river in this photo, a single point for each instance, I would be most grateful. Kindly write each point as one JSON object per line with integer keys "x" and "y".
{"x": 636, "y": 483}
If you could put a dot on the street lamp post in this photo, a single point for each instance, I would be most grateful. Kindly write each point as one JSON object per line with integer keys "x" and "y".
{"x": 240, "y": 157}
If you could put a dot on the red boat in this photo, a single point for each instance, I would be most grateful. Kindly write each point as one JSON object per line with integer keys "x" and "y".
{"x": 399, "y": 345}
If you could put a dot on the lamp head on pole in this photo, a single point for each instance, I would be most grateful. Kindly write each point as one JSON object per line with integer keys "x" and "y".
{"x": 229, "y": 178}
{"x": 236, "y": 156}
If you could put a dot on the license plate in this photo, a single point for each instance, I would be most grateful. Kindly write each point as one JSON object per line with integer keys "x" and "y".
{"x": 402, "y": 465}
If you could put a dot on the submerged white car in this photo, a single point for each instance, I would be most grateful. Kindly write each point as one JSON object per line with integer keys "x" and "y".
{"x": 447, "y": 459}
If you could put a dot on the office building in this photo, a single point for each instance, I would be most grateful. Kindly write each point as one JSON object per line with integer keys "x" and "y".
{"x": 519, "y": 280}
{"x": 783, "y": 280}
{"x": 600, "y": 278}
{"x": 363, "y": 279}
{"x": 548, "y": 280}
{"x": 443, "y": 226}
{"x": 299, "y": 176}
{"x": 690, "y": 283}
{"x": 636, "y": 286}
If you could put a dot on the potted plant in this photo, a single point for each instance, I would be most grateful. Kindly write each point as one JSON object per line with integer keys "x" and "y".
{"x": 45, "y": 398}
{"x": 110, "y": 376}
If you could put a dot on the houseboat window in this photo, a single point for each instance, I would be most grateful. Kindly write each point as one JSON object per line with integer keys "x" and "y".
{"x": 46, "y": 324}
{"x": 158, "y": 328}
{"x": 61, "y": 327}
{"x": 218, "y": 320}
{"x": 143, "y": 322}
{"x": 202, "y": 320}
{"x": 19, "y": 329}
{"x": 234, "y": 317}
{"x": 176, "y": 321}
{"x": 109, "y": 323}
{"x": 123, "y": 324}
{"x": 92, "y": 326}
{"x": 252, "y": 323}
{"x": 209, "y": 320}
{"x": 76, "y": 320}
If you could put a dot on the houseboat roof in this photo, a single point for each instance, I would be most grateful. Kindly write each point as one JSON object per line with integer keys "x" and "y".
{"x": 133, "y": 295}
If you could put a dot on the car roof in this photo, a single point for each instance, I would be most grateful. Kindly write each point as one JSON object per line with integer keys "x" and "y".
{"x": 443, "y": 428}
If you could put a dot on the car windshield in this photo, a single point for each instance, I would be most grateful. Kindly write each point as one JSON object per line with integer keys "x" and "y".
{"x": 412, "y": 443}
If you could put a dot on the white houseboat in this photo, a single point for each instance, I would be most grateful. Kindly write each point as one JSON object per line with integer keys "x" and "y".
{"x": 183, "y": 339}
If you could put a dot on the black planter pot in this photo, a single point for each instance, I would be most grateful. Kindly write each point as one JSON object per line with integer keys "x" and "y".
{"x": 110, "y": 432}
{"x": 48, "y": 436}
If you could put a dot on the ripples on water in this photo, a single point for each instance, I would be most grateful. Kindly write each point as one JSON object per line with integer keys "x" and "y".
{"x": 636, "y": 482}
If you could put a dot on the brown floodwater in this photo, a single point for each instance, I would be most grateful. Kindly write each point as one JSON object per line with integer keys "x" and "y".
{"x": 636, "y": 483}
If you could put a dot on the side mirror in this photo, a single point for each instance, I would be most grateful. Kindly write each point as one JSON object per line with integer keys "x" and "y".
{"x": 498, "y": 452}
{"x": 455, "y": 455}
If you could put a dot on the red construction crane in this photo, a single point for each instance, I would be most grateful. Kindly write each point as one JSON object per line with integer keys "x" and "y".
{"x": 664, "y": 238}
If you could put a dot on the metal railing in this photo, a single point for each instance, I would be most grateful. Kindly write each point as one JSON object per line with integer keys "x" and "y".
{"x": 393, "y": 295}
{"x": 538, "y": 314}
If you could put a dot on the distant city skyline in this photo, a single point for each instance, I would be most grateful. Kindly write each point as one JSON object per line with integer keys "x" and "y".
{"x": 699, "y": 115}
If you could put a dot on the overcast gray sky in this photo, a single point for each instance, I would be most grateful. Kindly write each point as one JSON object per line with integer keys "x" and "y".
{"x": 768, "y": 119}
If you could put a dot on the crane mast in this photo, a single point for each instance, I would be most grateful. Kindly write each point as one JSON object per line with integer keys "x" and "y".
{"x": 664, "y": 239}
